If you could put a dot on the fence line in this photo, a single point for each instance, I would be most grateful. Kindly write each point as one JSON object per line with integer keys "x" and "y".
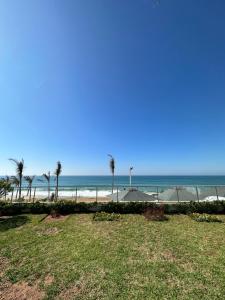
{"x": 102, "y": 192}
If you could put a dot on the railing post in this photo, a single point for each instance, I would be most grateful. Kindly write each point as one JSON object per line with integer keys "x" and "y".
{"x": 157, "y": 192}
{"x": 30, "y": 194}
{"x": 117, "y": 196}
{"x": 217, "y": 193}
{"x": 177, "y": 194}
{"x": 34, "y": 194}
{"x": 12, "y": 195}
{"x": 76, "y": 195}
{"x": 197, "y": 193}
{"x": 96, "y": 194}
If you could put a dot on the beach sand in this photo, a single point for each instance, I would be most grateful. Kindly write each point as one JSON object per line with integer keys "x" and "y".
{"x": 79, "y": 199}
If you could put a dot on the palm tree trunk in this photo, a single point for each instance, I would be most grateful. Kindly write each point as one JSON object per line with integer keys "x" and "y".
{"x": 48, "y": 189}
{"x": 112, "y": 182}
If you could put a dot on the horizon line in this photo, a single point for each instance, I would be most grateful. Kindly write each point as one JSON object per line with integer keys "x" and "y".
{"x": 126, "y": 175}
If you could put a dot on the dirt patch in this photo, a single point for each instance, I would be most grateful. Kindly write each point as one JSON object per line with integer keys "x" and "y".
{"x": 4, "y": 265}
{"x": 20, "y": 291}
{"x": 49, "y": 218}
{"x": 48, "y": 280}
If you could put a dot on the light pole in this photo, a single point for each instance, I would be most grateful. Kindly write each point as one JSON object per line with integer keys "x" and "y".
{"x": 131, "y": 168}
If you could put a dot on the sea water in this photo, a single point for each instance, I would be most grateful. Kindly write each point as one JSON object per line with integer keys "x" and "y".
{"x": 85, "y": 186}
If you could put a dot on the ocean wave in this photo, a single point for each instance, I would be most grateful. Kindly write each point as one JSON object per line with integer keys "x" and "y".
{"x": 70, "y": 193}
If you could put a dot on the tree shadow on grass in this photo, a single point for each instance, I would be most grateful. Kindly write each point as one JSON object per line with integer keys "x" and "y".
{"x": 7, "y": 223}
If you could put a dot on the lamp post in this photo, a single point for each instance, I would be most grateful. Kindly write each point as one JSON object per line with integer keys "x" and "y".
{"x": 131, "y": 168}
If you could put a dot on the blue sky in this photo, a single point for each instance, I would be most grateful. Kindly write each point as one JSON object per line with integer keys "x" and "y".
{"x": 83, "y": 78}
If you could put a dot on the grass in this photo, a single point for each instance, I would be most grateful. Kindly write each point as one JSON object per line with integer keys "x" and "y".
{"x": 78, "y": 258}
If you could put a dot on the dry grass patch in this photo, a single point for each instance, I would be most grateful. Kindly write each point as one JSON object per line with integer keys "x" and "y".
{"x": 88, "y": 287}
{"x": 49, "y": 231}
{"x": 50, "y": 218}
{"x": 168, "y": 256}
{"x": 156, "y": 255}
{"x": 48, "y": 280}
{"x": 4, "y": 265}
{"x": 20, "y": 291}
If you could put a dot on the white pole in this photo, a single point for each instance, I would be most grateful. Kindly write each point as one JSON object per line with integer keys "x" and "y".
{"x": 131, "y": 168}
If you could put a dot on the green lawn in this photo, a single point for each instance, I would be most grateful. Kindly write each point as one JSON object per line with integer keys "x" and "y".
{"x": 77, "y": 258}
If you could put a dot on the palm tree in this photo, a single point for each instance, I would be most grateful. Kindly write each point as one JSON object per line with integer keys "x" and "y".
{"x": 2, "y": 188}
{"x": 15, "y": 181}
{"x": 30, "y": 180}
{"x": 57, "y": 173}
{"x": 5, "y": 187}
{"x": 8, "y": 183}
{"x": 112, "y": 169}
{"x": 48, "y": 177}
{"x": 19, "y": 171}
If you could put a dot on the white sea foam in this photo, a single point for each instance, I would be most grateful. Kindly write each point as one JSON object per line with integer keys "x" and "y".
{"x": 70, "y": 194}
{"x": 213, "y": 198}
{"x": 91, "y": 193}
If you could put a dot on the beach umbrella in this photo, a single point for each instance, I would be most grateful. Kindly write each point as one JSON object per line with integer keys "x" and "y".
{"x": 178, "y": 194}
{"x": 130, "y": 195}
{"x": 211, "y": 193}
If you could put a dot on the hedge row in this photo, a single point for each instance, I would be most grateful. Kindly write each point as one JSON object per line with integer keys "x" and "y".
{"x": 66, "y": 207}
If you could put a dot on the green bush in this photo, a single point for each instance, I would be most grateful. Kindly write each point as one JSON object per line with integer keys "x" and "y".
{"x": 127, "y": 207}
{"x": 205, "y": 218}
{"x": 103, "y": 216}
{"x": 70, "y": 207}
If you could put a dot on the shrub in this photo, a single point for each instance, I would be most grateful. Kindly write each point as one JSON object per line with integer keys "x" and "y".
{"x": 155, "y": 213}
{"x": 205, "y": 218}
{"x": 103, "y": 216}
{"x": 70, "y": 207}
{"x": 127, "y": 207}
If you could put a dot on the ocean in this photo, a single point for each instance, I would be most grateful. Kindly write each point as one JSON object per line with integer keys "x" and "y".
{"x": 86, "y": 186}
{"x": 93, "y": 181}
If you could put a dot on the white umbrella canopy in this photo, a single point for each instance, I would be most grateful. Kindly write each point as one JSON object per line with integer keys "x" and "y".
{"x": 131, "y": 195}
{"x": 178, "y": 194}
{"x": 211, "y": 193}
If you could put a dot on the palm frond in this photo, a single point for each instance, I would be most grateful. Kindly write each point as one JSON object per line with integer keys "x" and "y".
{"x": 29, "y": 179}
{"x": 19, "y": 166}
{"x": 58, "y": 168}
{"x": 112, "y": 163}
{"x": 47, "y": 177}
{"x": 14, "y": 160}
{"x": 15, "y": 180}
{"x": 7, "y": 178}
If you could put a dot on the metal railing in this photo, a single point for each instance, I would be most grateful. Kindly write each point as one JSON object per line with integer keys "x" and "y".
{"x": 90, "y": 193}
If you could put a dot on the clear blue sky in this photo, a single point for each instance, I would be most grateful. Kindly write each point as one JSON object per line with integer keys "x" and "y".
{"x": 83, "y": 78}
